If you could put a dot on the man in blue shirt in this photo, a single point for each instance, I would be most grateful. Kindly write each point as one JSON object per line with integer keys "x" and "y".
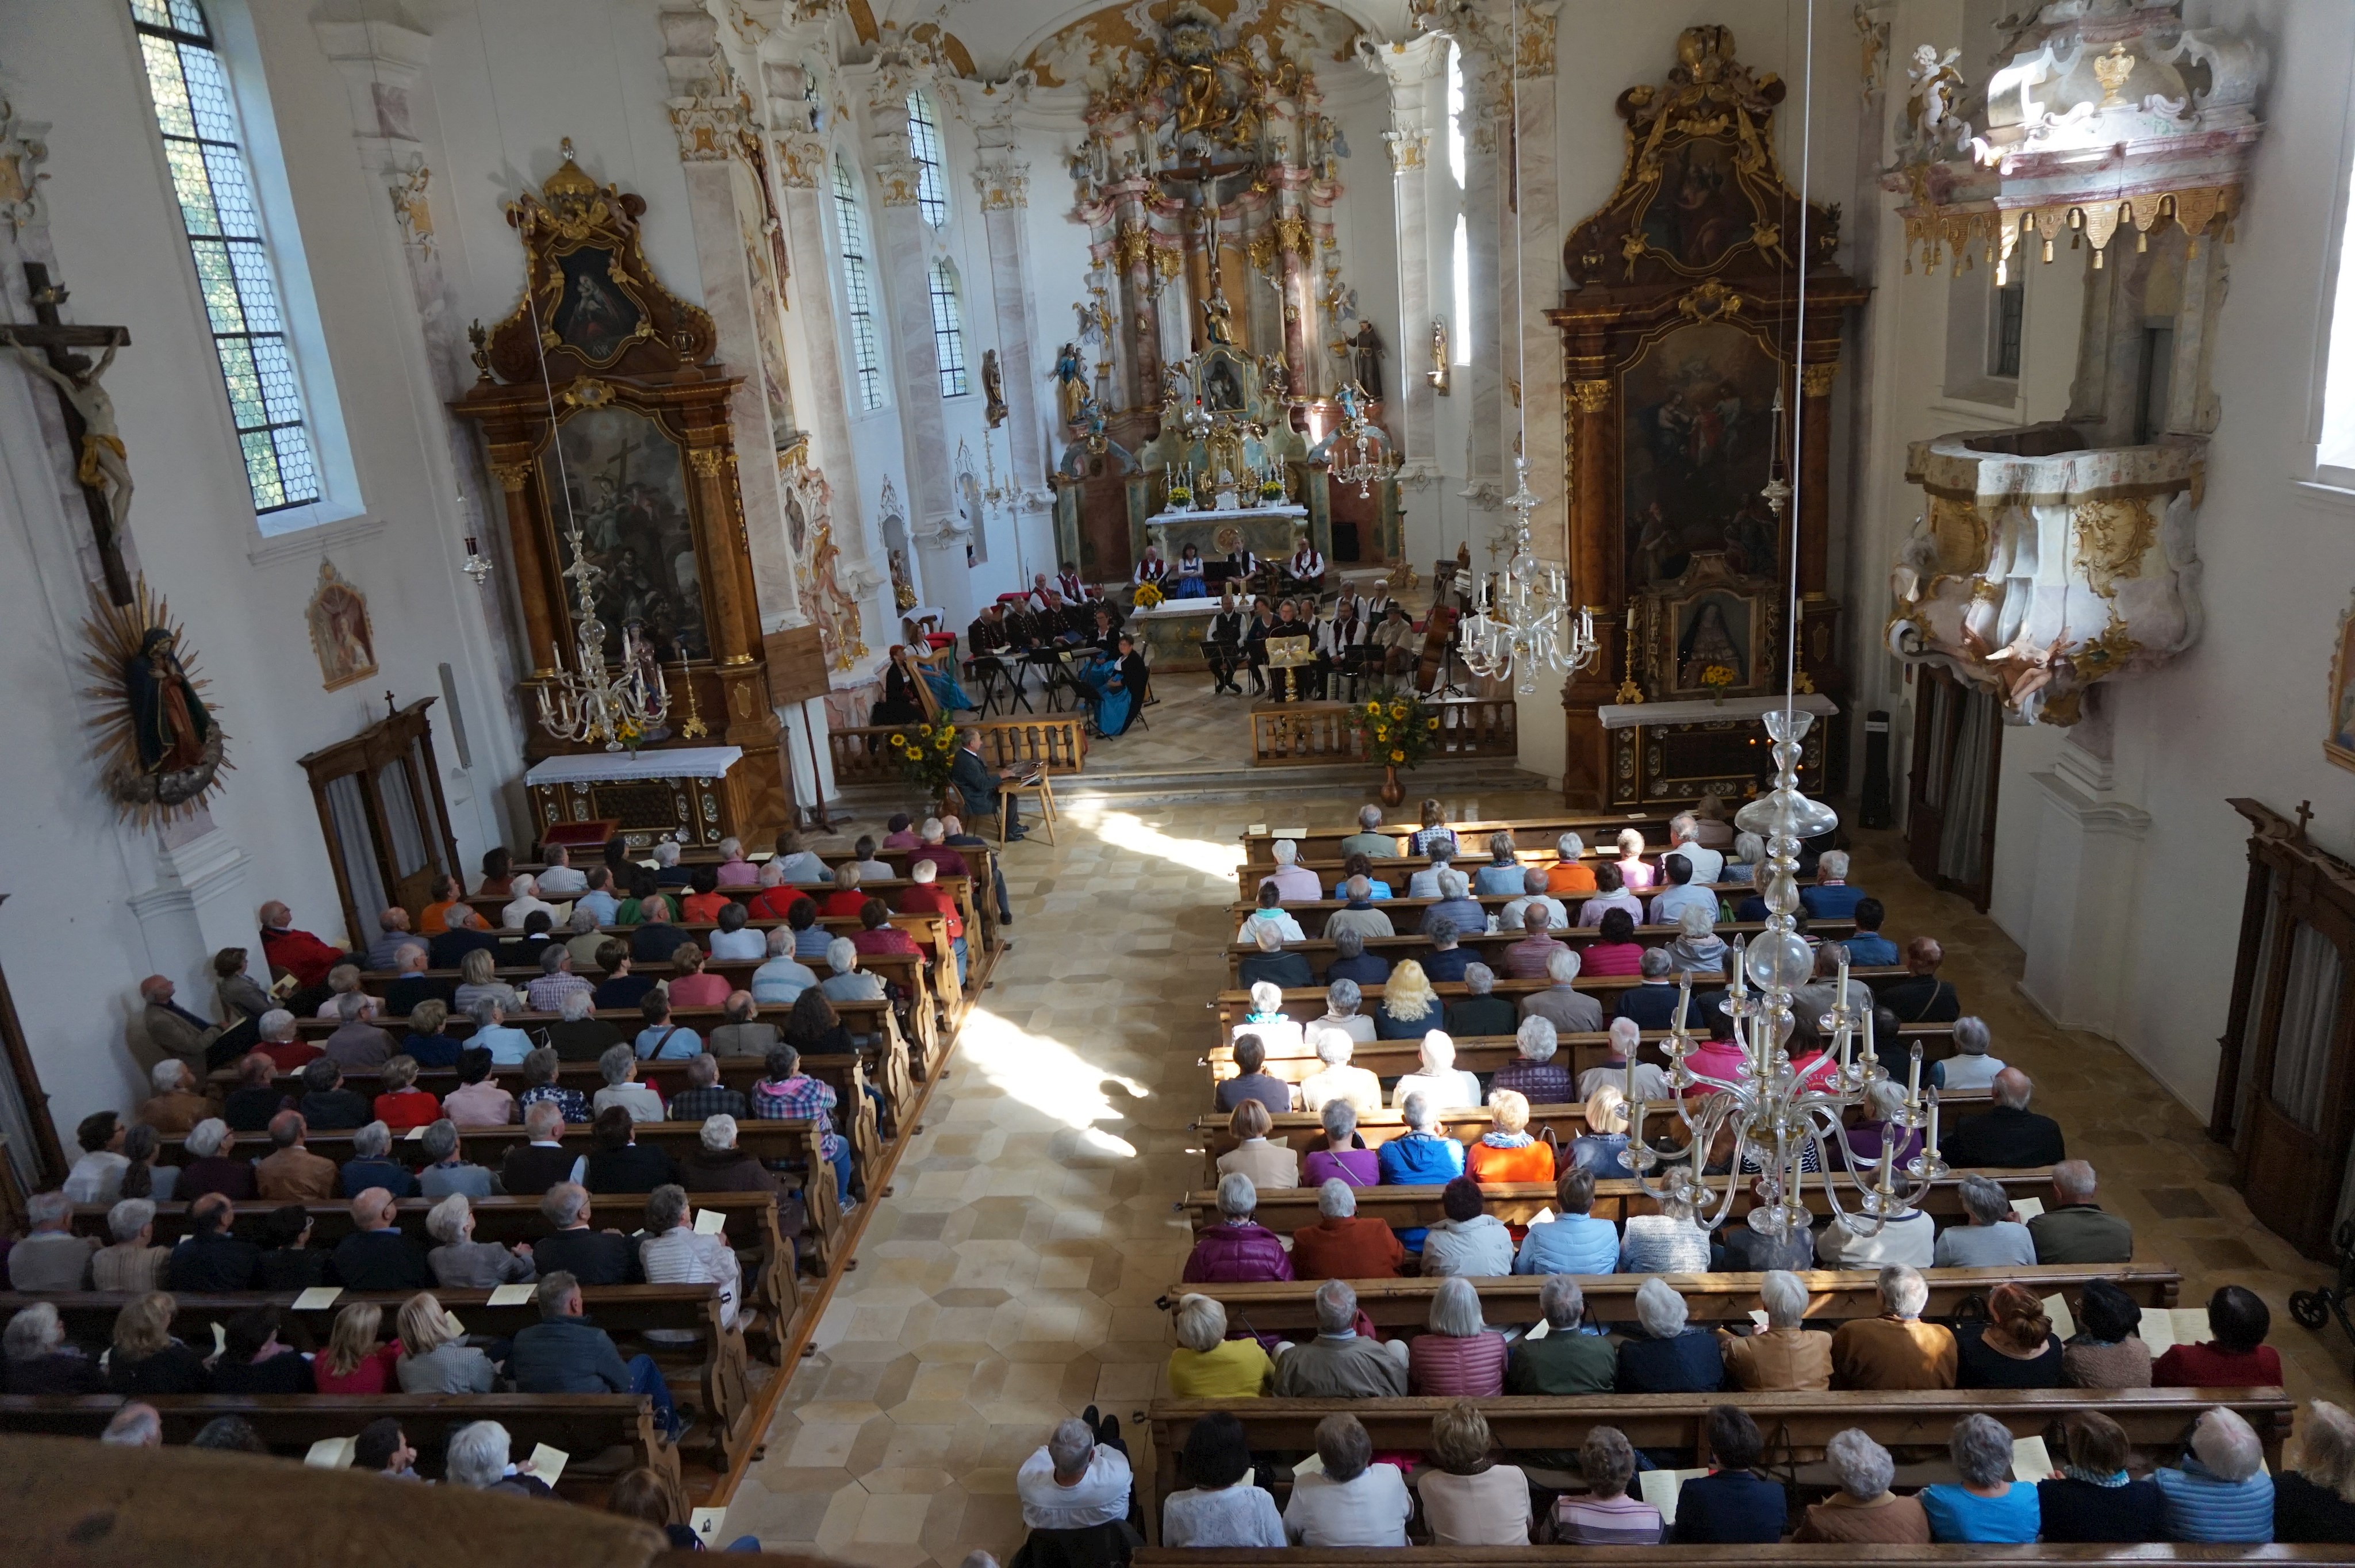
{"x": 1446, "y": 960}
{"x": 598, "y": 900}
{"x": 1419, "y": 1158}
{"x": 1681, "y": 894}
{"x": 1867, "y": 947}
{"x": 1831, "y": 898}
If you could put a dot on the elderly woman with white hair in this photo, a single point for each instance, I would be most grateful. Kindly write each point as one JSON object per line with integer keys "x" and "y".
{"x": 1665, "y": 1243}
{"x": 1537, "y": 1073}
{"x": 1342, "y": 999}
{"x": 1345, "y": 1156}
{"x": 1988, "y": 1505}
{"x": 1458, "y": 1355}
{"x": 1749, "y": 855}
{"x": 1885, "y": 1103}
{"x": 1602, "y": 1149}
{"x": 461, "y": 1263}
{"x": 848, "y": 983}
{"x": 38, "y": 1360}
{"x": 1237, "y": 1249}
{"x": 2223, "y": 1492}
{"x": 1670, "y": 1356}
{"x": 1269, "y": 964}
{"x": 1786, "y": 1354}
{"x": 1343, "y": 1245}
{"x": 1507, "y": 1152}
{"x": 1439, "y": 1081}
{"x": 1864, "y": 1511}
{"x": 133, "y": 1265}
{"x": 1970, "y": 1069}
{"x": 1993, "y": 1239}
{"x": 1456, "y": 906}
{"x": 1337, "y": 1080}
{"x": 1421, "y": 1156}
{"x": 1697, "y": 949}
{"x": 2316, "y": 1502}
{"x": 1637, "y": 874}
{"x": 1277, "y": 1031}
{"x": 476, "y": 1457}
{"x": 1502, "y": 874}
{"x": 1209, "y": 1365}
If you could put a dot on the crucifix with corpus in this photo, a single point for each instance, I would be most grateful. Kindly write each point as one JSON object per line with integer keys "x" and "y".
{"x": 100, "y": 466}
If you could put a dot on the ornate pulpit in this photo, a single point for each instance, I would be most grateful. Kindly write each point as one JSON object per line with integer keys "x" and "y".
{"x": 606, "y": 427}
{"x": 1700, "y": 337}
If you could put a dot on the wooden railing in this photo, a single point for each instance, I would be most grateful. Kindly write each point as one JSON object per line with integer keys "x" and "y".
{"x": 864, "y": 755}
{"x": 1307, "y": 732}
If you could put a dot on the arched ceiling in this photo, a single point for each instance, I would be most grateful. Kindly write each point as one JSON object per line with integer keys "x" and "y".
{"x": 1056, "y": 39}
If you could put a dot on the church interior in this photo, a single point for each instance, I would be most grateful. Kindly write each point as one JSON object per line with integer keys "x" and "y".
{"x": 1492, "y": 778}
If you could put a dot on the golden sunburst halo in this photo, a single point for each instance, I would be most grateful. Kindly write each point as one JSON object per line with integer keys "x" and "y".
{"x": 112, "y": 638}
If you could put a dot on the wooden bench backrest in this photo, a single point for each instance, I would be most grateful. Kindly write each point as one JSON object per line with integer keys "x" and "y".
{"x": 1484, "y": 1053}
{"x": 1529, "y": 833}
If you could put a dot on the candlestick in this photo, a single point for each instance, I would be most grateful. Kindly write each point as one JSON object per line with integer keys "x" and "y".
{"x": 1913, "y": 1079}
{"x": 1871, "y": 1052}
{"x": 1930, "y": 1148}
{"x": 1684, "y": 999}
{"x": 1888, "y": 1154}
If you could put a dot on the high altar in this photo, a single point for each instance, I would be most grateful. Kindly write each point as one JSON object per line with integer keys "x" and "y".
{"x": 606, "y": 427}
{"x": 1217, "y": 335}
{"x": 1691, "y": 373}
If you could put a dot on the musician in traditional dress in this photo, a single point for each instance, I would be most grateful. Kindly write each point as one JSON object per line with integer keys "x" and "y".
{"x": 1377, "y": 607}
{"x": 1069, "y": 584}
{"x": 1190, "y": 584}
{"x": 1402, "y": 649}
{"x": 1240, "y": 563}
{"x": 1114, "y": 686}
{"x": 1152, "y": 568}
{"x": 1255, "y": 636}
{"x": 1223, "y": 648}
{"x": 1340, "y": 645}
{"x": 1306, "y": 570}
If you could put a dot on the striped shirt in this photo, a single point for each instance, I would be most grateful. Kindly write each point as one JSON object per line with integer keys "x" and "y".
{"x": 1622, "y": 1521}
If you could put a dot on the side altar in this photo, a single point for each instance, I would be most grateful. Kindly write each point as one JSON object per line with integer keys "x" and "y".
{"x": 1267, "y": 532}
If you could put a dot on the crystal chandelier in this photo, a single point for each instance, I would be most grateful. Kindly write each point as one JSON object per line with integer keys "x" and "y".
{"x": 1359, "y": 457}
{"x": 1777, "y": 1114}
{"x": 589, "y": 703}
{"x": 1521, "y": 618}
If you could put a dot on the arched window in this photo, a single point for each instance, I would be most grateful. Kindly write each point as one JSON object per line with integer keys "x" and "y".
{"x": 924, "y": 146}
{"x": 948, "y": 330}
{"x": 858, "y": 294}
{"x": 214, "y": 183}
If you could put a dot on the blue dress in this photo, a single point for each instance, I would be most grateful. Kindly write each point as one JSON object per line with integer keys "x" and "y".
{"x": 948, "y": 693}
{"x": 1189, "y": 580}
{"x": 1115, "y": 684}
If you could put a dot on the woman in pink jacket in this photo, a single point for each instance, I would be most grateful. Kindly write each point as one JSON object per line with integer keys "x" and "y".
{"x": 1461, "y": 1356}
{"x": 1239, "y": 1250}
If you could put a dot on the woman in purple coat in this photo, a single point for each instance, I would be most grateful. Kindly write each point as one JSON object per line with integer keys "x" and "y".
{"x": 1342, "y": 1158}
{"x": 1238, "y": 1250}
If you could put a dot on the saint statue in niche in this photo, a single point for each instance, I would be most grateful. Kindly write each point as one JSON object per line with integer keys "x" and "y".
{"x": 1366, "y": 359}
{"x": 1219, "y": 320}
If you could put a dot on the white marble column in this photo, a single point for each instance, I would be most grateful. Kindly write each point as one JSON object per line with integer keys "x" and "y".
{"x": 905, "y": 245}
{"x": 2088, "y": 864}
{"x": 713, "y": 132}
{"x": 1487, "y": 455}
{"x": 1002, "y": 178}
{"x": 1537, "y": 237}
{"x": 1409, "y": 70}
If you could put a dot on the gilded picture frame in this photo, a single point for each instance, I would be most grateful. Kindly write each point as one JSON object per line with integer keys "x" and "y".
{"x": 343, "y": 638}
{"x": 2338, "y": 740}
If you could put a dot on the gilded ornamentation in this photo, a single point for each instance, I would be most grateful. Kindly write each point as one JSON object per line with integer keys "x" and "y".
{"x": 2112, "y": 70}
{"x": 896, "y": 179}
{"x": 1407, "y": 149}
{"x": 1816, "y": 381}
{"x": 159, "y": 744}
{"x": 710, "y": 121}
{"x": 1292, "y": 234}
{"x": 1590, "y": 397}
{"x": 1133, "y": 249}
{"x": 2112, "y": 538}
{"x": 1536, "y": 25}
{"x": 801, "y": 159}
{"x": 1960, "y": 535}
{"x": 409, "y": 207}
{"x": 23, "y": 149}
{"x": 588, "y": 392}
{"x": 511, "y": 476}
{"x": 711, "y": 462}
{"x": 1003, "y": 184}
{"x": 1708, "y": 302}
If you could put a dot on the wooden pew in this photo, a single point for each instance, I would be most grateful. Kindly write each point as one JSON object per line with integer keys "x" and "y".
{"x": 1303, "y": 1133}
{"x": 2035, "y": 1554}
{"x": 751, "y": 1221}
{"x": 1833, "y": 1296}
{"x": 1406, "y": 918}
{"x": 719, "y": 1367}
{"x": 1388, "y": 1060}
{"x": 1530, "y": 833}
{"x": 1489, "y": 946}
{"x": 583, "y": 1426}
{"x": 2156, "y": 1420}
{"x": 1307, "y": 1002}
{"x": 1286, "y": 1210}
{"x": 1399, "y": 874}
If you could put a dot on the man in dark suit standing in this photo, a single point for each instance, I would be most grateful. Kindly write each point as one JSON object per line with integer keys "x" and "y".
{"x": 978, "y": 786}
{"x": 2010, "y": 1137}
{"x": 592, "y": 1257}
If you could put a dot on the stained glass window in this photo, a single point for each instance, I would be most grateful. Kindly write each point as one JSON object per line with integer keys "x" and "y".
{"x": 924, "y": 146}
{"x": 197, "y": 117}
{"x": 948, "y": 331}
{"x": 850, "y": 228}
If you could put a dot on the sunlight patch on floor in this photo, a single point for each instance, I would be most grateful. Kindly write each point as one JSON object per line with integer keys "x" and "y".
{"x": 1125, "y": 830}
{"x": 1042, "y": 1072}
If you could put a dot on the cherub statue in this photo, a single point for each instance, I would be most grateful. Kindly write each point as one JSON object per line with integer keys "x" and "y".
{"x": 103, "y": 464}
{"x": 1931, "y": 128}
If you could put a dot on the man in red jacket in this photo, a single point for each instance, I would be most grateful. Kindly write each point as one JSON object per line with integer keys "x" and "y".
{"x": 1341, "y": 1245}
{"x": 927, "y": 897}
{"x": 295, "y": 953}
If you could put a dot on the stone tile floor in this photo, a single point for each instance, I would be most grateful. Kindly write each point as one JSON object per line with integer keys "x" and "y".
{"x": 1010, "y": 1279}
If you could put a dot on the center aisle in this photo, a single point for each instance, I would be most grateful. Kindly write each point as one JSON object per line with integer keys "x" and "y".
{"x": 1009, "y": 1279}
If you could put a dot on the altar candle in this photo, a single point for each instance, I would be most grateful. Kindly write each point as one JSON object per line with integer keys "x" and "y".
{"x": 1914, "y": 1077}
{"x": 1930, "y": 1146}
{"x": 1871, "y": 1054}
{"x": 1740, "y": 971}
{"x": 1888, "y": 1154}
{"x": 1840, "y": 997}
{"x": 1628, "y": 1093}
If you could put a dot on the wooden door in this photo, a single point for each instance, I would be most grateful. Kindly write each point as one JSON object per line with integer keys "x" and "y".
{"x": 1951, "y": 793}
{"x": 380, "y": 809}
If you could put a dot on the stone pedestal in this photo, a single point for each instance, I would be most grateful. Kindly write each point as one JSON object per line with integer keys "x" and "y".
{"x": 2088, "y": 869}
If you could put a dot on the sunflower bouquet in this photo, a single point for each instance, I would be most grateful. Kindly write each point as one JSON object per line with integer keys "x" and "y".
{"x": 926, "y": 753}
{"x": 1397, "y": 728}
{"x": 1145, "y": 597}
{"x": 1715, "y": 679}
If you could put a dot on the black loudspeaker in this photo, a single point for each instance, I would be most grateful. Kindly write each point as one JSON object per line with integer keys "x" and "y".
{"x": 1874, "y": 810}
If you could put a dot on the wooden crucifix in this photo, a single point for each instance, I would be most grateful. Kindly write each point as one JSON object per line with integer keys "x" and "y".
{"x": 100, "y": 465}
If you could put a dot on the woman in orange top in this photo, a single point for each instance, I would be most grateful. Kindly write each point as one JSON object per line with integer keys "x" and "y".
{"x": 703, "y": 906}
{"x": 1570, "y": 874}
{"x": 435, "y": 919}
{"x": 1508, "y": 1153}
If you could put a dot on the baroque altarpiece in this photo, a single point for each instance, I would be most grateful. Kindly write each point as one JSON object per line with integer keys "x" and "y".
{"x": 606, "y": 426}
{"x": 1218, "y": 330}
{"x": 1701, "y": 338}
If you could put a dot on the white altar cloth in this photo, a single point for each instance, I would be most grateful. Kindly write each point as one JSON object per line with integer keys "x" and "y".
{"x": 1628, "y": 715}
{"x": 657, "y": 763}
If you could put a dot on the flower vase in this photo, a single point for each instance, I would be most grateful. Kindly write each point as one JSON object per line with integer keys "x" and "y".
{"x": 1717, "y": 697}
{"x": 1393, "y": 792}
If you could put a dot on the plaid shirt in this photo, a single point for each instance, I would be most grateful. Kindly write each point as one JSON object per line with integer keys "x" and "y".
{"x": 546, "y": 994}
{"x": 799, "y": 1097}
{"x": 700, "y": 1105}
{"x": 1541, "y": 1083}
{"x": 571, "y": 1102}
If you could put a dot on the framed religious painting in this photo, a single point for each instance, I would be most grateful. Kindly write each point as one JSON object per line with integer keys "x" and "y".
{"x": 1698, "y": 447}
{"x": 341, "y": 633}
{"x": 1712, "y": 634}
{"x": 617, "y": 484}
{"x": 2339, "y": 744}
